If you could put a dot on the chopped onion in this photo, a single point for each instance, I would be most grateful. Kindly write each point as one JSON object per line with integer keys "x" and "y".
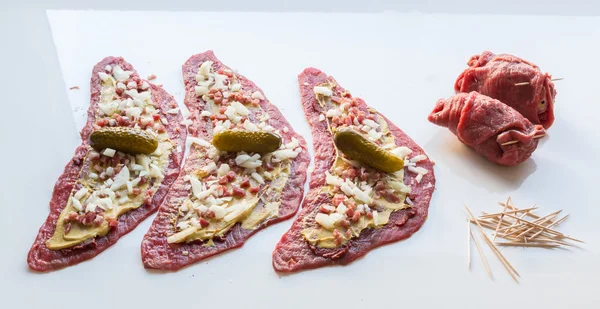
{"x": 198, "y": 141}
{"x": 109, "y": 152}
{"x": 328, "y": 221}
{"x": 110, "y": 171}
{"x": 292, "y": 144}
{"x": 240, "y": 108}
{"x": 371, "y": 123}
{"x": 333, "y": 113}
{"x": 249, "y": 126}
{"x": 223, "y": 170}
{"x": 346, "y": 189}
{"x": 375, "y": 217}
{"x": 200, "y": 78}
{"x": 341, "y": 209}
{"x": 257, "y": 95}
{"x": 258, "y": 178}
{"x": 91, "y": 207}
{"x": 181, "y": 236}
{"x": 218, "y": 210}
{"x": 201, "y": 90}
{"x": 80, "y": 193}
{"x": 76, "y": 204}
{"x": 210, "y": 167}
{"x": 121, "y": 75}
{"x": 173, "y": 111}
{"x": 236, "y": 87}
{"x": 120, "y": 180}
{"x": 205, "y": 68}
{"x": 399, "y": 186}
{"x": 418, "y": 170}
{"x": 205, "y": 114}
{"x": 419, "y": 178}
{"x": 418, "y": 158}
{"x": 333, "y": 180}
{"x": 323, "y": 91}
{"x": 321, "y": 117}
{"x": 374, "y": 134}
{"x": 401, "y": 152}
{"x": 284, "y": 154}
{"x": 103, "y": 76}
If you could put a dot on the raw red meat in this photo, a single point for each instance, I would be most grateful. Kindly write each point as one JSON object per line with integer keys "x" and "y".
{"x": 156, "y": 251}
{"x": 483, "y": 124}
{"x": 293, "y": 252}
{"x": 496, "y": 76}
{"x": 40, "y": 258}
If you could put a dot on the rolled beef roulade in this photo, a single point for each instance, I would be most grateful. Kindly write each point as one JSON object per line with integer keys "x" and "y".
{"x": 485, "y": 124}
{"x": 516, "y": 82}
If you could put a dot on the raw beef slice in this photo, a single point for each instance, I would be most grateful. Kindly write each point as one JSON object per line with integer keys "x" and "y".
{"x": 41, "y": 258}
{"x": 156, "y": 251}
{"x": 293, "y": 253}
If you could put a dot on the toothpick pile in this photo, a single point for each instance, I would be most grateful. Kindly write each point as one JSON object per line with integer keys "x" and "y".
{"x": 517, "y": 228}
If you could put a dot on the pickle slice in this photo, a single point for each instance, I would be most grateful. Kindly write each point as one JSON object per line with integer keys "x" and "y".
{"x": 128, "y": 140}
{"x": 240, "y": 140}
{"x": 356, "y": 147}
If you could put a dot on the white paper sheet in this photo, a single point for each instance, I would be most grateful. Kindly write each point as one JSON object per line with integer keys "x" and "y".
{"x": 400, "y": 64}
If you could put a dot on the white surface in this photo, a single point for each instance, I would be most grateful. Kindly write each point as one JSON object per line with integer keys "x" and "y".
{"x": 400, "y": 64}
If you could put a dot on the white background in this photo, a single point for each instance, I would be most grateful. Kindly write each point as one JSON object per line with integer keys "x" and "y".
{"x": 400, "y": 58}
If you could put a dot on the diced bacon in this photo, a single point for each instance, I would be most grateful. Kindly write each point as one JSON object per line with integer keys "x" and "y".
{"x": 102, "y": 122}
{"x": 269, "y": 166}
{"x": 94, "y": 155}
{"x": 223, "y": 180}
{"x": 238, "y": 192}
{"x": 379, "y": 186}
{"x": 98, "y": 168}
{"x": 245, "y": 183}
{"x": 254, "y": 190}
{"x": 370, "y": 215}
{"x": 98, "y": 220}
{"x": 345, "y": 223}
{"x": 72, "y": 216}
{"x": 390, "y": 196}
{"x": 156, "y": 117}
{"x": 88, "y": 218}
{"x": 337, "y": 236}
{"x": 337, "y": 199}
{"x": 349, "y": 173}
{"x": 350, "y": 212}
{"x": 112, "y": 223}
{"x": 209, "y": 214}
{"x": 203, "y": 222}
{"x": 67, "y": 228}
{"x": 348, "y": 121}
{"x": 231, "y": 175}
{"x": 323, "y": 208}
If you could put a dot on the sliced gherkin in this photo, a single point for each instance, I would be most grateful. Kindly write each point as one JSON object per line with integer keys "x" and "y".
{"x": 356, "y": 147}
{"x": 125, "y": 139}
{"x": 241, "y": 140}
